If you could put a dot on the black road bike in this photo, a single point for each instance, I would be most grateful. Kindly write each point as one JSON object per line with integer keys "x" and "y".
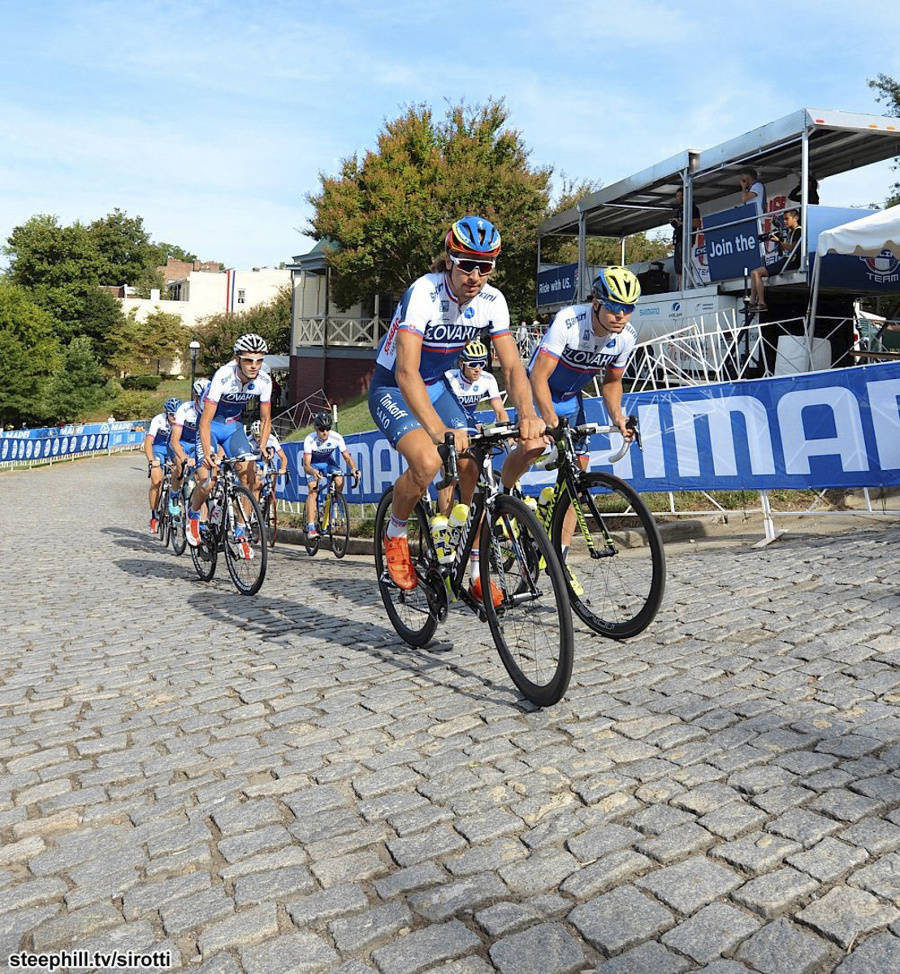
{"x": 532, "y": 624}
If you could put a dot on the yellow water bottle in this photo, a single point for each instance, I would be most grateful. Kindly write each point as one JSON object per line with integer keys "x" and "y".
{"x": 458, "y": 517}
{"x": 441, "y": 537}
{"x": 545, "y": 503}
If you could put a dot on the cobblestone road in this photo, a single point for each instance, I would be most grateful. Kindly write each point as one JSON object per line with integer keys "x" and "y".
{"x": 277, "y": 784}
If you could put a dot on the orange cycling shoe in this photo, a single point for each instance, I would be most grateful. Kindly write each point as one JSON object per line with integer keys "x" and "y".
{"x": 399, "y": 563}
{"x": 475, "y": 589}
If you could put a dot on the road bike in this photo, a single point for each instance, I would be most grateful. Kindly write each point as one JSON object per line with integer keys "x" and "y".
{"x": 332, "y": 519}
{"x": 268, "y": 502}
{"x": 615, "y": 566}
{"x": 234, "y": 526}
{"x": 532, "y": 624}
{"x": 165, "y": 528}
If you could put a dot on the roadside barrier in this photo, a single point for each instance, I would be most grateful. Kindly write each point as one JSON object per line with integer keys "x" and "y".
{"x": 50, "y": 444}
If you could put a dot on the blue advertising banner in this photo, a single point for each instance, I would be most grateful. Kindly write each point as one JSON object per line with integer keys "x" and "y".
{"x": 733, "y": 248}
{"x": 558, "y": 285}
{"x": 839, "y": 428}
{"x": 59, "y": 442}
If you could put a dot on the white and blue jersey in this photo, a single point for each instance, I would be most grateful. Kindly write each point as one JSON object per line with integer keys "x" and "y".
{"x": 231, "y": 396}
{"x": 579, "y": 353}
{"x": 185, "y": 421}
{"x": 158, "y": 432}
{"x": 324, "y": 455}
{"x": 430, "y": 309}
{"x": 470, "y": 394}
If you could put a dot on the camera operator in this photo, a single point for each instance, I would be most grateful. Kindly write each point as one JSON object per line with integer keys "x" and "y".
{"x": 787, "y": 237}
{"x": 677, "y": 224}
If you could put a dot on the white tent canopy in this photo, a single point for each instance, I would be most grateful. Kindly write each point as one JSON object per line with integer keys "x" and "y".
{"x": 866, "y": 237}
{"x": 279, "y": 362}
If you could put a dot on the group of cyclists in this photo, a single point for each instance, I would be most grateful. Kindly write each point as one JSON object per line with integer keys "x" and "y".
{"x": 431, "y": 374}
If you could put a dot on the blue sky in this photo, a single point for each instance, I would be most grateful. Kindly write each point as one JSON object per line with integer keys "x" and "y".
{"x": 212, "y": 120}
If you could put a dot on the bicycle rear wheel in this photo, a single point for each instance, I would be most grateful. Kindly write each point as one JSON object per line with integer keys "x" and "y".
{"x": 244, "y": 541}
{"x": 616, "y": 566}
{"x": 163, "y": 521}
{"x": 408, "y": 611}
{"x": 178, "y": 525}
{"x": 339, "y": 526}
{"x": 206, "y": 554}
{"x": 532, "y": 626}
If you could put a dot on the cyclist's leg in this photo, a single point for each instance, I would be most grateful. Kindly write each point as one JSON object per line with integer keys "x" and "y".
{"x": 156, "y": 479}
{"x": 519, "y": 459}
{"x": 204, "y": 479}
{"x": 576, "y": 417}
{"x": 312, "y": 495}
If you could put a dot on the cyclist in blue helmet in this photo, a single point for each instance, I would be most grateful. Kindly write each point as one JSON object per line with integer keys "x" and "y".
{"x": 439, "y": 314}
{"x": 156, "y": 448}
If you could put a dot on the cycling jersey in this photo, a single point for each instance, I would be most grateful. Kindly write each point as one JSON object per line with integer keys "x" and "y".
{"x": 273, "y": 443}
{"x": 328, "y": 450}
{"x": 579, "y": 353}
{"x": 468, "y": 393}
{"x": 159, "y": 430}
{"x": 231, "y": 394}
{"x": 187, "y": 418}
{"x": 429, "y": 308}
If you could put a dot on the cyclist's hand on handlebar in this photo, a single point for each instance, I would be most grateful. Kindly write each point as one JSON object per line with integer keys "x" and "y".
{"x": 460, "y": 438}
{"x": 626, "y": 430}
{"x": 531, "y": 428}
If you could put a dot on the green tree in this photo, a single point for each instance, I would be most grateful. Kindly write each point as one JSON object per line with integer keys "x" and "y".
{"x": 389, "y": 211}
{"x": 138, "y": 347}
{"x": 888, "y": 91}
{"x": 78, "y": 386}
{"x": 217, "y": 333}
{"x": 46, "y": 255}
{"x": 30, "y": 349}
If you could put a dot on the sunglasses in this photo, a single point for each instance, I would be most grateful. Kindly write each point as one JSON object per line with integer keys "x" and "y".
{"x": 252, "y": 361}
{"x": 618, "y": 308}
{"x": 480, "y": 364}
{"x": 467, "y": 265}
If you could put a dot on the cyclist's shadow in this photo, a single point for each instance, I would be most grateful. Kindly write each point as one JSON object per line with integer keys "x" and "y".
{"x": 282, "y": 622}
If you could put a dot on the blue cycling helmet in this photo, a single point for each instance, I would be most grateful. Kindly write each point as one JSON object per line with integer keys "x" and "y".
{"x": 473, "y": 236}
{"x": 172, "y": 404}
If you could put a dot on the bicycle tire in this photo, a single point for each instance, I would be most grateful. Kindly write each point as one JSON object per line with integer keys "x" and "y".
{"x": 532, "y": 626}
{"x": 270, "y": 518}
{"x": 178, "y": 526}
{"x": 162, "y": 515}
{"x": 246, "y": 565}
{"x": 204, "y": 556}
{"x": 623, "y": 588}
{"x": 339, "y": 526}
{"x": 408, "y": 611}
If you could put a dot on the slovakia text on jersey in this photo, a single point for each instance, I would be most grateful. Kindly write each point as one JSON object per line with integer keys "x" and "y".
{"x": 324, "y": 451}
{"x": 430, "y": 309}
{"x": 226, "y": 389}
{"x": 580, "y": 354}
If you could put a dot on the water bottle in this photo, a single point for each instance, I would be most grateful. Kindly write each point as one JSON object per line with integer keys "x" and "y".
{"x": 545, "y": 503}
{"x": 530, "y": 502}
{"x": 458, "y": 517}
{"x": 440, "y": 534}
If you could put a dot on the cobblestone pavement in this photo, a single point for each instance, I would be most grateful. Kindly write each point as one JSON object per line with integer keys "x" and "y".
{"x": 277, "y": 784}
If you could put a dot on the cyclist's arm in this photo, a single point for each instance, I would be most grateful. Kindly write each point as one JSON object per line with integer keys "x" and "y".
{"x": 148, "y": 448}
{"x": 500, "y": 413}
{"x": 543, "y": 367}
{"x": 612, "y": 399}
{"x": 349, "y": 461}
{"x": 409, "y": 379}
{"x": 308, "y": 468}
{"x": 175, "y": 443}
{"x": 531, "y": 426}
{"x": 282, "y": 456}
{"x": 265, "y": 421}
{"x": 204, "y": 430}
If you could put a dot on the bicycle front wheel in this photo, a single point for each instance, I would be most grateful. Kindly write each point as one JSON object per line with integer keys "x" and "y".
{"x": 206, "y": 554}
{"x": 616, "y": 566}
{"x": 163, "y": 521}
{"x": 408, "y": 611}
{"x": 245, "y": 541}
{"x": 339, "y": 526}
{"x": 532, "y": 625}
{"x": 270, "y": 518}
{"x": 178, "y": 525}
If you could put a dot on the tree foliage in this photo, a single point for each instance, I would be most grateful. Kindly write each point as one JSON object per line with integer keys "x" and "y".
{"x": 30, "y": 349}
{"x": 77, "y": 388}
{"x": 389, "y": 211}
{"x": 888, "y": 92}
{"x": 140, "y": 346}
{"x": 217, "y": 333}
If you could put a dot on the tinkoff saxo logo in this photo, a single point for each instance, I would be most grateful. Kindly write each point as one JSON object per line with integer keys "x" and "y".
{"x": 883, "y": 269}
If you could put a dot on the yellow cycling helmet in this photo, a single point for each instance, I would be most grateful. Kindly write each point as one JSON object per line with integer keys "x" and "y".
{"x": 616, "y": 284}
{"x": 475, "y": 351}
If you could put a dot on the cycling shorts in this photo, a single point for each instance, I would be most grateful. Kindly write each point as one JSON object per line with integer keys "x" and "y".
{"x": 390, "y": 412}
{"x": 161, "y": 453}
{"x": 326, "y": 468}
{"x": 229, "y": 436}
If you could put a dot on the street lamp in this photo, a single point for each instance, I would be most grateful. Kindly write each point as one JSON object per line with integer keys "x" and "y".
{"x": 195, "y": 351}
